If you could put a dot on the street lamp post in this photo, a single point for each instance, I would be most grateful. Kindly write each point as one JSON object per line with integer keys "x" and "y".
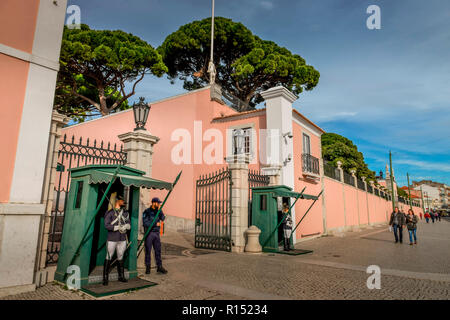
{"x": 409, "y": 191}
{"x": 141, "y": 111}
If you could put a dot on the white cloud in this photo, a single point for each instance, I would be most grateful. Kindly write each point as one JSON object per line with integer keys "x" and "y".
{"x": 267, "y": 5}
{"x": 436, "y": 166}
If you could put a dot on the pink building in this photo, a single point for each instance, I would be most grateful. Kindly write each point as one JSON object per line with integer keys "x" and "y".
{"x": 30, "y": 41}
{"x": 278, "y": 139}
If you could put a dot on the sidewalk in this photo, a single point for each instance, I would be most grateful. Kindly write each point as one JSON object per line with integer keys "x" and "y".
{"x": 335, "y": 270}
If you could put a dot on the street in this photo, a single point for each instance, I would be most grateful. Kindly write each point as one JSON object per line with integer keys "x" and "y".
{"x": 335, "y": 270}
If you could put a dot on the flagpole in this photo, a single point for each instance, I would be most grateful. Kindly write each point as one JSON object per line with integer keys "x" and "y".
{"x": 212, "y": 32}
{"x": 211, "y": 66}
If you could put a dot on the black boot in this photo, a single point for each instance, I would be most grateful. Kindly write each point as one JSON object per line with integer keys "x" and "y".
{"x": 286, "y": 245}
{"x": 120, "y": 270}
{"x": 147, "y": 269}
{"x": 106, "y": 272}
{"x": 161, "y": 270}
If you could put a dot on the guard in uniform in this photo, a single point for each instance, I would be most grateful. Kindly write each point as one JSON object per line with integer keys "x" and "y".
{"x": 287, "y": 228}
{"x": 117, "y": 222}
{"x": 153, "y": 239}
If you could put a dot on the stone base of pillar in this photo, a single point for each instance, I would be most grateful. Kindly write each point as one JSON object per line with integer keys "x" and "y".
{"x": 274, "y": 173}
{"x": 253, "y": 245}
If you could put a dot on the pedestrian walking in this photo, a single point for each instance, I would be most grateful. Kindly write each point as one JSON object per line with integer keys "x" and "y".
{"x": 411, "y": 224}
{"x": 432, "y": 216}
{"x": 427, "y": 216}
{"x": 117, "y": 222}
{"x": 287, "y": 228}
{"x": 397, "y": 222}
{"x": 153, "y": 239}
{"x": 439, "y": 215}
{"x": 420, "y": 215}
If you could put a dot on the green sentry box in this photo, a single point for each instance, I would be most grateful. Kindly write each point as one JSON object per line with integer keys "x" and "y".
{"x": 266, "y": 216}
{"x": 86, "y": 190}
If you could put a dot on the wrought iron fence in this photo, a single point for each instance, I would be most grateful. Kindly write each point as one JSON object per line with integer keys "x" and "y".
{"x": 331, "y": 171}
{"x": 310, "y": 164}
{"x": 213, "y": 211}
{"x": 255, "y": 179}
{"x": 369, "y": 188}
{"x": 360, "y": 184}
{"x": 349, "y": 179}
{"x": 377, "y": 192}
{"x": 74, "y": 154}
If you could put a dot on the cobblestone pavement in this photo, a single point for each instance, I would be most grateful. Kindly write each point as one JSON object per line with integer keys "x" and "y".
{"x": 335, "y": 270}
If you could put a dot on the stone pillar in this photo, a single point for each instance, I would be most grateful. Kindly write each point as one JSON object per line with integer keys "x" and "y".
{"x": 216, "y": 93}
{"x": 353, "y": 172}
{"x": 365, "y": 183}
{"x": 341, "y": 171}
{"x": 58, "y": 122}
{"x": 238, "y": 165}
{"x": 274, "y": 174}
{"x": 139, "y": 148}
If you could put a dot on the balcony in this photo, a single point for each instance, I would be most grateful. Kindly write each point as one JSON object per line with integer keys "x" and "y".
{"x": 310, "y": 166}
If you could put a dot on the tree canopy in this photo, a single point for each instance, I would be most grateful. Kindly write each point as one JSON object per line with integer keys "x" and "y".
{"x": 97, "y": 65}
{"x": 338, "y": 148}
{"x": 245, "y": 64}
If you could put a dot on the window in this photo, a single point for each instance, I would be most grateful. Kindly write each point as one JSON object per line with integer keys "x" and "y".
{"x": 306, "y": 144}
{"x": 78, "y": 194}
{"x": 263, "y": 202}
{"x": 242, "y": 141}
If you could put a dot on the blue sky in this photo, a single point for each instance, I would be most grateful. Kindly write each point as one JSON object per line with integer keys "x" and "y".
{"x": 386, "y": 89}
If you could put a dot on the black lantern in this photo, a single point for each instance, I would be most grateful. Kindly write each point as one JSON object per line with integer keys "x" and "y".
{"x": 239, "y": 141}
{"x": 141, "y": 111}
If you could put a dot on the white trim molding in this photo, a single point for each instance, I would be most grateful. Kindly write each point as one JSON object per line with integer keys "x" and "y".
{"x": 28, "y": 57}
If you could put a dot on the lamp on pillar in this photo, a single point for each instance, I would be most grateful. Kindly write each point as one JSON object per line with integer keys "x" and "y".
{"x": 239, "y": 138}
{"x": 141, "y": 111}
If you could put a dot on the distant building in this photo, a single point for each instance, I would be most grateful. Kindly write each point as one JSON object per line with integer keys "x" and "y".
{"x": 436, "y": 195}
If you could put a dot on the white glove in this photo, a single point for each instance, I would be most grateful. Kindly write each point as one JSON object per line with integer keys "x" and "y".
{"x": 122, "y": 229}
{"x": 116, "y": 228}
{"x": 127, "y": 226}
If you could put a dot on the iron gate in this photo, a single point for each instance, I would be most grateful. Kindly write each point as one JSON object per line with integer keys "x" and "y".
{"x": 72, "y": 155}
{"x": 255, "y": 179}
{"x": 213, "y": 211}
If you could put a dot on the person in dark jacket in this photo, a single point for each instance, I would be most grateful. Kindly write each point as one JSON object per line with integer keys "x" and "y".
{"x": 117, "y": 222}
{"x": 411, "y": 224}
{"x": 153, "y": 239}
{"x": 397, "y": 222}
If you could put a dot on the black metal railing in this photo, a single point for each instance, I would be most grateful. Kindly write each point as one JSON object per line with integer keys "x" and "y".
{"x": 369, "y": 188}
{"x": 377, "y": 192}
{"x": 310, "y": 164}
{"x": 74, "y": 154}
{"x": 360, "y": 184}
{"x": 213, "y": 211}
{"x": 255, "y": 179}
{"x": 349, "y": 179}
{"x": 332, "y": 172}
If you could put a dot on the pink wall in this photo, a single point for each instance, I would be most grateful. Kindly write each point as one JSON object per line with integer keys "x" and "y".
{"x": 18, "y": 22}
{"x": 361, "y": 208}
{"x": 13, "y": 81}
{"x": 334, "y": 203}
{"x": 351, "y": 205}
{"x": 363, "y": 213}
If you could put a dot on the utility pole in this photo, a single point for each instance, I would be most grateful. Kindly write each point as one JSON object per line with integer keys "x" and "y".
{"x": 421, "y": 195}
{"x": 392, "y": 181}
{"x": 409, "y": 191}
